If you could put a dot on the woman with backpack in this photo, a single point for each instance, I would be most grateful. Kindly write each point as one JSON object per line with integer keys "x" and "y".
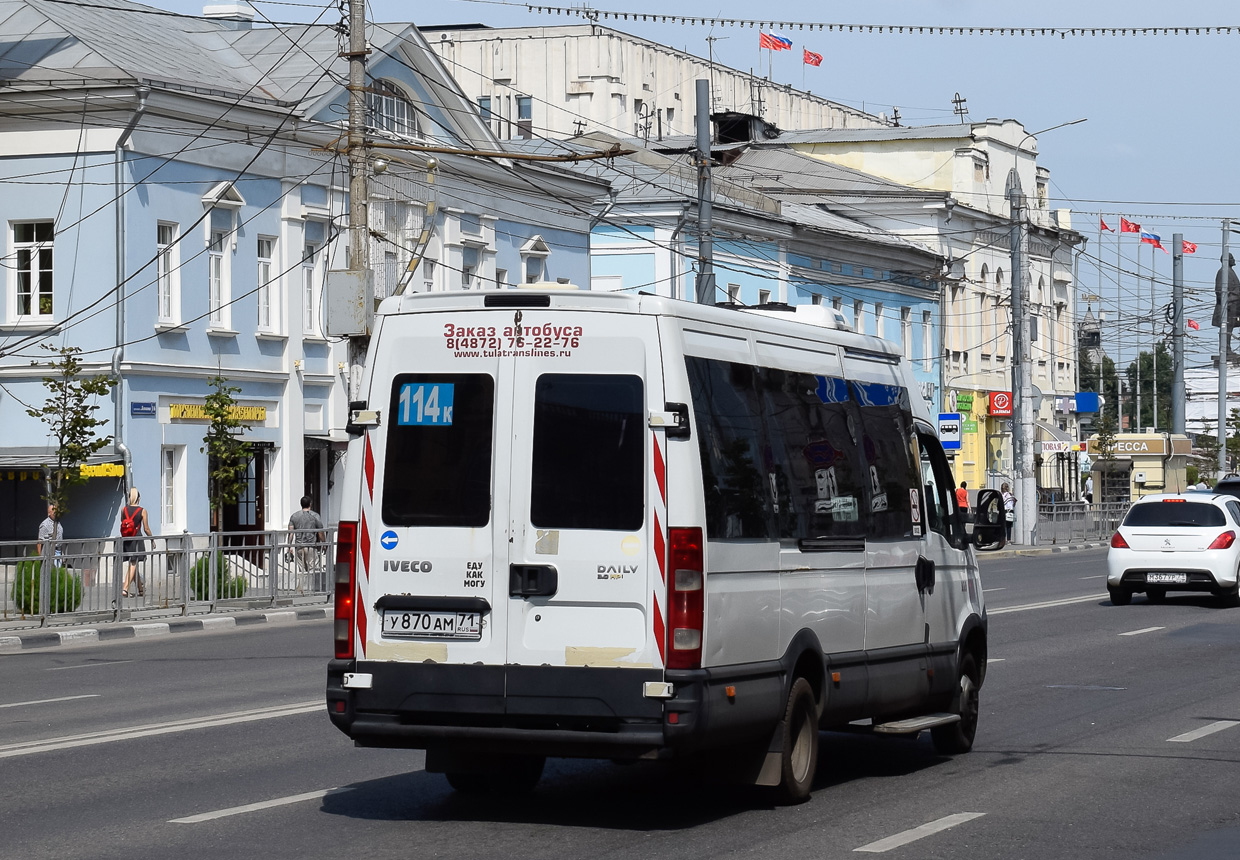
{"x": 133, "y": 523}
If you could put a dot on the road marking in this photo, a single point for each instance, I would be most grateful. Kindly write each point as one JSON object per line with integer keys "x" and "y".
{"x": 1142, "y": 630}
{"x": 1195, "y": 734}
{"x": 1050, "y": 604}
{"x": 988, "y": 590}
{"x": 112, "y": 735}
{"x": 255, "y": 807}
{"x": 48, "y": 701}
{"x": 995, "y": 659}
{"x": 918, "y": 832}
{"x": 89, "y": 665}
{"x": 1099, "y": 576}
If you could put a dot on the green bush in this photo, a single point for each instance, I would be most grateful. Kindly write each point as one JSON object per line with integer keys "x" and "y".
{"x": 66, "y": 588}
{"x": 226, "y": 586}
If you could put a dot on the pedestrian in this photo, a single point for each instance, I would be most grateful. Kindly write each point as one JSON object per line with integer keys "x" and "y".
{"x": 962, "y": 496}
{"x": 306, "y": 535}
{"x": 1009, "y": 508}
{"x": 133, "y": 545}
{"x": 50, "y": 529}
{"x": 1089, "y": 489}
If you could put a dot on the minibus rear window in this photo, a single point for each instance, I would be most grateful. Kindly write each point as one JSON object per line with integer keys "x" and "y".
{"x": 437, "y": 470}
{"x": 1174, "y": 515}
{"x": 589, "y": 435}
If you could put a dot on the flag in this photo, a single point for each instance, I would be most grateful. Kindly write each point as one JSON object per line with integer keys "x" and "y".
{"x": 1103, "y": 225}
{"x": 1153, "y": 239}
{"x": 1189, "y": 247}
{"x": 775, "y": 43}
{"x": 1193, "y": 325}
{"x": 813, "y": 59}
{"x": 1126, "y": 226}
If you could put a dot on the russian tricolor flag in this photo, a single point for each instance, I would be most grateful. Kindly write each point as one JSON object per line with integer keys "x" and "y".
{"x": 1153, "y": 239}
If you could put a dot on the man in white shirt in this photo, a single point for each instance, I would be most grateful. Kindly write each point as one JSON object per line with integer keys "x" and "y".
{"x": 50, "y": 529}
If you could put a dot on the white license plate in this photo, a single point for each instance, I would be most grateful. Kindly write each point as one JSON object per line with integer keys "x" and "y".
{"x": 401, "y": 624}
{"x": 1173, "y": 578}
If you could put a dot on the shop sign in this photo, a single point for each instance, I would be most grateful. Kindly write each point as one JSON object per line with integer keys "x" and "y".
{"x": 1000, "y": 403}
{"x": 1058, "y": 447}
{"x": 959, "y": 401}
{"x": 1133, "y": 446}
{"x": 103, "y": 470}
{"x": 968, "y": 426}
{"x": 198, "y": 412}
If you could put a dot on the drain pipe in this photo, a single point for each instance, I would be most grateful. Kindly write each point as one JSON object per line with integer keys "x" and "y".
{"x": 676, "y": 272}
{"x": 118, "y": 354}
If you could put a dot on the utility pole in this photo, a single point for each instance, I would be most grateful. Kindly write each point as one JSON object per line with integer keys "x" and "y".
{"x": 706, "y": 251}
{"x": 359, "y": 187}
{"x": 1177, "y": 333}
{"x": 1224, "y": 336}
{"x": 1022, "y": 372}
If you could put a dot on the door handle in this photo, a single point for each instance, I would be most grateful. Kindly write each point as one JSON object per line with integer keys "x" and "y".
{"x": 532, "y": 580}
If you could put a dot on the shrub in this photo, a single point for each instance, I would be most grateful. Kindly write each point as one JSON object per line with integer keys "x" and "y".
{"x": 226, "y": 586}
{"x": 66, "y": 588}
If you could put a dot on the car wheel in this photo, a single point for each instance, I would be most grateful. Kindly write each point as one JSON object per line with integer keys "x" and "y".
{"x": 1156, "y": 595}
{"x": 799, "y": 759}
{"x": 1230, "y": 596}
{"x": 1119, "y": 596}
{"x": 956, "y": 738}
{"x": 511, "y": 775}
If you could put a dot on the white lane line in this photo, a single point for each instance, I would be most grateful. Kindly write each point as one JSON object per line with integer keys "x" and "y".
{"x": 995, "y": 659}
{"x": 49, "y": 701}
{"x": 111, "y": 735}
{"x": 918, "y": 832}
{"x": 988, "y": 590}
{"x": 255, "y": 807}
{"x": 1050, "y": 604}
{"x": 1142, "y": 630}
{"x": 88, "y": 665}
{"x": 1099, "y": 576}
{"x": 1195, "y": 734}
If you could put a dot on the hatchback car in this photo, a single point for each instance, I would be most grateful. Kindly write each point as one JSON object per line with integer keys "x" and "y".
{"x": 1176, "y": 542}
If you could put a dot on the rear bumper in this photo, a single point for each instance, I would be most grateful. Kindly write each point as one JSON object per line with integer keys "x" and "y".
{"x": 1195, "y": 580}
{"x": 549, "y": 710}
{"x": 1208, "y": 570}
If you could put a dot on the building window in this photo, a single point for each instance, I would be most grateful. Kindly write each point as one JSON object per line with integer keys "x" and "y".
{"x": 927, "y": 342}
{"x": 501, "y": 278}
{"x": 734, "y": 294}
{"x": 906, "y": 329}
{"x": 428, "y": 274}
{"x": 32, "y": 263}
{"x": 859, "y": 317}
{"x": 533, "y": 269}
{"x": 469, "y": 267}
{"x": 217, "y": 276}
{"x": 389, "y": 110}
{"x": 471, "y": 224}
{"x": 167, "y": 274}
{"x": 484, "y": 110}
{"x": 172, "y": 489}
{"x": 525, "y": 117}
{"x": 815, "y": 299}
{"x": 266, "y": 289}
{"x": 534, "y": 254}
{"x": 837, "y": 303}
{"x": 764, "y": 296}
{"x": 309, "y": 292}
{"x": 878, "y": 319}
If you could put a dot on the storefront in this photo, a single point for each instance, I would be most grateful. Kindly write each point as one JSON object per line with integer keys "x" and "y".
{"x": 1141, "y": 464}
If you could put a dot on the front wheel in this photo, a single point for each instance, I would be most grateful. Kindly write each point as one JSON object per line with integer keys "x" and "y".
{"x": 957, "y": 737}
{"x": 799, "y": 759}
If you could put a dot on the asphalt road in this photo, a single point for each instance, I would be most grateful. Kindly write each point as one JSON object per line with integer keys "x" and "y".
{"x": 1106, "y": 732}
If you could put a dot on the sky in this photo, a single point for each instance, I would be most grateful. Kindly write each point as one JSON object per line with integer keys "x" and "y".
{"x": 1156, "y": 149}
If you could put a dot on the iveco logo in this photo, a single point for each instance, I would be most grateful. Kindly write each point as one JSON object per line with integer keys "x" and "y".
{"x": 406, "y": 566}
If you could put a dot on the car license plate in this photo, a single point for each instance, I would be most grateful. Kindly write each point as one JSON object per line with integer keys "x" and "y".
{"x": 432, "y": 624}
{"x": 1173, "y": 578}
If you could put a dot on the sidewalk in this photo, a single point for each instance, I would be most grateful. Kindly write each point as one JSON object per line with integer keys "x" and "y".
{"x": 1014, "y": 550}
{"x": 17, "y": 641}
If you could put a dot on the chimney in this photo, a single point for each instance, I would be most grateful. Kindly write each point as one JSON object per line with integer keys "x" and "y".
{"x": 234, "y": 16}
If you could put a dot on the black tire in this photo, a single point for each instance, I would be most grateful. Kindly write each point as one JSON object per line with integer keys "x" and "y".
{"x": 799, "y": 759}
{"x": 510, "y": 775}
{"x": 1229, "y": 597}
{"x": 1119, "y": 596}
{"x": 1156, "y": 595}
{"x": 955, "y": 738}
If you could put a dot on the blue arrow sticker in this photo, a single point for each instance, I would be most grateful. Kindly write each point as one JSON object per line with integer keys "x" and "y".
{"x": 388, "y": 539}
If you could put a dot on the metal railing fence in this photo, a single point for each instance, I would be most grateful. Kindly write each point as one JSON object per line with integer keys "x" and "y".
{"x": 1065, "y": 522}
{"x": 181, "y": 574}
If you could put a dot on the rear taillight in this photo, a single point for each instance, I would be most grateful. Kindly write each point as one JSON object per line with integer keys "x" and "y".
{"x": 1223, "y": 541}
{"x": 685, "y": 591}
{"x": 1118, "y": 542}
{"x": 346, "y": 565}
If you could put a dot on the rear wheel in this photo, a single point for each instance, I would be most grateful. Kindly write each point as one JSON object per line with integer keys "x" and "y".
{"x": 1119, "y": 596}
{"x": 509, "y": 775}
{"x": 955, "y": 738}
{"x": 799, "y": 759}
{"x": 1156, "y": 595}
{"x": 1230, "y": 596}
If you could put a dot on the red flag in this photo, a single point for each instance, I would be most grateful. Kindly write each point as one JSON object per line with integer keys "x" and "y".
{"x": 813, "y": 59}
{"x": 1189, "y": 247}
{"x": 1103, "y": 225}
{"x": 1193, "y": 325}
{"x": 1126, "y": 226}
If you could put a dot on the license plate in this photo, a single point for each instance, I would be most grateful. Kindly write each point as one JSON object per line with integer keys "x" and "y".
{"x": 1173, "y": 578}
{"x": 409, "y": 624}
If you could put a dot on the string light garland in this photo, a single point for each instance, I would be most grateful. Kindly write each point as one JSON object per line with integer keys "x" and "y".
{"x": 596, "y": 15}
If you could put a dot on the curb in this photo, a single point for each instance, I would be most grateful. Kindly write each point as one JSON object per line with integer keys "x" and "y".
{"x": 19, "y": 642}
{"x": 1018, "y": 551}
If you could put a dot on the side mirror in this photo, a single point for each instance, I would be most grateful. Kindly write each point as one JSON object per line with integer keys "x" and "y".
{"x": 924, "y": 574}
{"x": 989, "y": 520}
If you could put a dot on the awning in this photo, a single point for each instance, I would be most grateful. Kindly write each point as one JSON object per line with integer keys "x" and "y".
{"x": 30, "y": 457}
{"x": 334, "y": 441}
{"x": 1045, "y": 429}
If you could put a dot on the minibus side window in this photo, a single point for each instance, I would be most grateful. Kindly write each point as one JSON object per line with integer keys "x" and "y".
{"x": 888, "y": 456}
{"x": 437, "y": 470}
{"x": 939, "y": 495}
{"x": 588, "y": 461}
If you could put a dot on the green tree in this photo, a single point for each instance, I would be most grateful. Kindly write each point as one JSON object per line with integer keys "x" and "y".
{"x": 69, "y": 413}
{"x": 1146, "y": 362}
{"x": 228, "y": 455}
{"x": 1110, "y": 381}
{"x": 1106, "y": 436}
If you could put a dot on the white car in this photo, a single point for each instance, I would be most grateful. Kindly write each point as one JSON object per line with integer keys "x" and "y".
{"x": 1176, "y": 542}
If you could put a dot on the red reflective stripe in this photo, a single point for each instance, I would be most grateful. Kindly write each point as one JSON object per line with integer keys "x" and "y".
{"x": 365, "y": 545}
{"x": 659, "y": 470}
{"x": 660, "y": 633}
{"x": 361, "y": 619}
{"x": 660, "y": 548}
{"x": 369, "y": 463}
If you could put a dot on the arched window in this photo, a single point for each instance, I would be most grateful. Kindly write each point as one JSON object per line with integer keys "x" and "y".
{"x": 985, "y": 275}
{"x": 388, "y": 109}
